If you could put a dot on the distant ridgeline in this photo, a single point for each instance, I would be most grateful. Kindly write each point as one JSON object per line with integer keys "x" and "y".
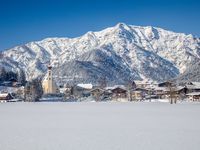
{"x": 118, "y": 53}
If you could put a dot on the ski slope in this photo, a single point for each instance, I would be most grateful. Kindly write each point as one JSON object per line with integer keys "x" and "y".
{"x": 99, "y": 126}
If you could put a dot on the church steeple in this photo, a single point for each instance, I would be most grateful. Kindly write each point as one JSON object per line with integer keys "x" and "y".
{"x": 48, "y": 84}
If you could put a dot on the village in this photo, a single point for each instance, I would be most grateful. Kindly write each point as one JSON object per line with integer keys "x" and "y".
{"x": 47, "y": 90}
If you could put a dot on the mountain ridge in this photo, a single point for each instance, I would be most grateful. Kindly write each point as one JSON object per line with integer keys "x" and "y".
{"x": 146, "y": 52}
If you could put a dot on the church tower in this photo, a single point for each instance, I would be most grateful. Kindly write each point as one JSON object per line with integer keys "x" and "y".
{"x": 48, "y": 84}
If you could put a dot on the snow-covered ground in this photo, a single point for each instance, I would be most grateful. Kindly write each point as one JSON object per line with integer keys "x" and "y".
{"x": 99, "y": 126}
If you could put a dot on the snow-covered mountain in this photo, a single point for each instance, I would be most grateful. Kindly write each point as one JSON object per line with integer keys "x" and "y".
{"x": 117, "y": 53}
{"x": 191, "y": 74}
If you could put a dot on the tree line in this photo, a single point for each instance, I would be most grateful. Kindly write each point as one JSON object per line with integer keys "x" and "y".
{"x": 19, "y": 75}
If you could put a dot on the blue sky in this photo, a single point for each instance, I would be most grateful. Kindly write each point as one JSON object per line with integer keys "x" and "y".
{"x": 31, "y": 20}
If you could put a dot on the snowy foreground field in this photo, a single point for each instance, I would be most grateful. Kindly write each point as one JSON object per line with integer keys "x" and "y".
{"x": 99, "y": 126}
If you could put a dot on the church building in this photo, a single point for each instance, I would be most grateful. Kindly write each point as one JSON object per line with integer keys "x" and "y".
{"x": 48, "y": 84}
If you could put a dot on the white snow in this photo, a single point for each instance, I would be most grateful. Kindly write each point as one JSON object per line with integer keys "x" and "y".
{"x": 193, "y": 93}
{"x": 3, "y": 94}
{"x": 85, "y": 86}
{"x": 99, "y": 126}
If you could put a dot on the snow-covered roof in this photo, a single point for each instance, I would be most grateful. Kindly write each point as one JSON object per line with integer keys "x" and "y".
{"x": 193, "y": 83}
{"x": 193, "y": 94}
{"x": 145, "y": 81}
{"x": 196, "y": 83}
{"x": 4, "y": 94}
{"x": 5, "y": 89}
{"x": 97, "y": 89}
{"x": 179, "y": 88}
{"x": 160, "y": 88}
{"x": 85, "y": 86}
{"x": 115, "y": 86}
{"x": 138, "y": 81}
{"x": 193, "y": 86}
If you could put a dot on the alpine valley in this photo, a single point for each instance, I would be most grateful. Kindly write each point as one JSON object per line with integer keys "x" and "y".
{"x": 118, "y": 53}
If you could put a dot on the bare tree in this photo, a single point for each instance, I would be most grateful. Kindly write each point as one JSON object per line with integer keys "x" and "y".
{"x": 172, "y": 92}
{"x": 102, "y": 82}
{"x": 33, "y": 90}
{"x": 130, "y": 87}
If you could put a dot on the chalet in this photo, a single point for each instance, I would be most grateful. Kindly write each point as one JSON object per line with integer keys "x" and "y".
{"x": 119, "y": 92}
{"x": 193, "y": 88}
{"x": 82, "y": 90}
{"x": 4, "y": 97}
{"x": 165, "y": 84}
{"x": 181, "y": 89}
{"x": 139, "y": 93}
{"x": 66, "y": 89}
{"x": 107, "y": 95}
{"x": 97, "y": 93}
{"x": 194, "y": 96}
{"x": 144, "y": 83}
{"x": 165, "y": 92}
{"x": 192, "y": 83}
{"x": 160, "y": 92}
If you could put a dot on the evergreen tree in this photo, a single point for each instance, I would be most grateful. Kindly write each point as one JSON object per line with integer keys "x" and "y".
{"x": 10, "y": 75}
{"x": 2, "y": 74}
{"x": 21, "y": 77}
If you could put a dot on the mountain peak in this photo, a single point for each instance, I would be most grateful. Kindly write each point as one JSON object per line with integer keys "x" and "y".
{"x": 122, "y": 26}
{"x": 117, "y": 52}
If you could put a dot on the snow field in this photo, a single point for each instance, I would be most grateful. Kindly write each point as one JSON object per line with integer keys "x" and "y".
{"x": 99, "y": 126}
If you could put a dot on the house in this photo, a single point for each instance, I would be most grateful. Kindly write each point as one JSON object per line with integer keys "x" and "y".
{"x": 119, "y": 91}
{"x": 193, "y": 87}
{"x": 139, "y": 93}
{"x": 5, "y": 97}
{"x": 176, "y": 92}
{"x": 165, "y": 84}
{"x": 160, "y": 92}
{"x": 141, "y": 84}
{"x": 194, "y": 96}
{"x": 97, "y": 93}
{"x": 82, "y": 90}
{"x": 66, "y": 89}
{"x": 145, "y": 83}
